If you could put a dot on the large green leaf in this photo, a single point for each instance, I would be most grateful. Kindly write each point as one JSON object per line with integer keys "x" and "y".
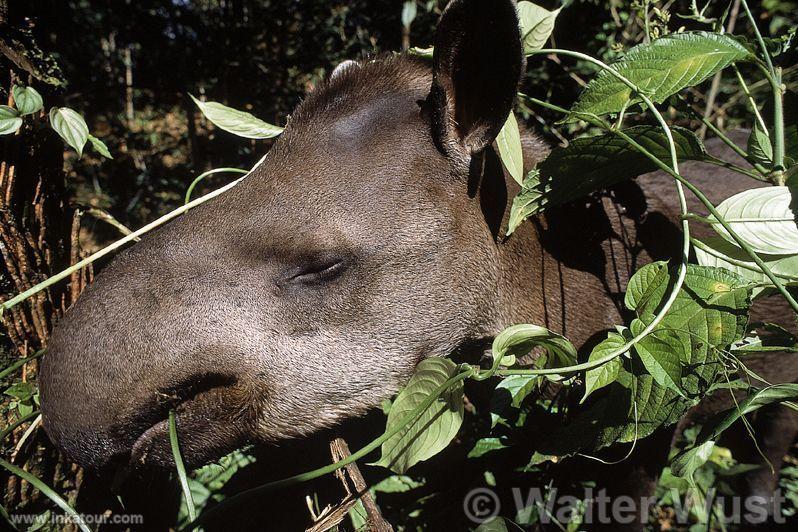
{"x": 718, "y": 252}
{"x": 510, "y": 151}
{"x": 9, "y": 120}
{"x": 592, "y": 163}
{"x": 70, "y": 126}
{"x": 660, "y": 69}
{"x": 762, "y": 218}
{"x": 237, "y": 122}
{"x": 537, "y": 23}
{"x": 710, "y": 306}
{"x": 27, "y": 99}
{"x": 434, "y": 428}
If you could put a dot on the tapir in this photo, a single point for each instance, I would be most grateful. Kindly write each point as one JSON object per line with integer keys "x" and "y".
{"x": 371, "y": 236}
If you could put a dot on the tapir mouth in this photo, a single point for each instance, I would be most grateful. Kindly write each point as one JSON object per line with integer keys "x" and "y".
{"x": 207, "y": 421}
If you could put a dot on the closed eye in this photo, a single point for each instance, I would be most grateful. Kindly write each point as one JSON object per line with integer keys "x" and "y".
{"x": 316, "y": 271}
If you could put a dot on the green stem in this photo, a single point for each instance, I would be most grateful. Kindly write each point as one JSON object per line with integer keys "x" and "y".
{"x": 181, "y": 468}
{"x": 774, "y": 76}
{"x": 11, "y": 428}
{"x": 725, "y": 139}
{"x": 119, "y": 243}
{"x": 258, "y": 491}
{"x": 725, "y": 164}
{"x": 700, "y": 245}
{"x": 759, "y": 38}
{"x": 203, "y": 175}
{"x": 46, "y": 491}
{"x": 751, "y": 101}
{"x": 19, "y": 363}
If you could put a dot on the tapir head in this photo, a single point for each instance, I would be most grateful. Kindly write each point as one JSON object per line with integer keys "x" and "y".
{"x": 308, "y": 293}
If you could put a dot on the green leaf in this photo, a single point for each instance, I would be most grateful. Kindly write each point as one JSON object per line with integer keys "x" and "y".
{"x": 720, "y": 253}
{"x": 537, "y": 23}
{"x": 509, "y": 142}
{"x": 660, "y": 69}
{"x": 762, "y": 218}
{"x": 608, "y": 372}
{"x": 237, "y": 122}
{"x": 776, "y": 393}
{"x": 495, "y": 524}
{"x": 22, "y": 391}
{"x": 649, "y": 275}
{"x": 526, "y": 203}
{"x": 100, "y": 147}
{"x": 520, "y": 340}
{"x": 70, "y": 126}
{"x": 589, "y": 164}
{"x": 685, "y": 464}
{"x": 486, "y": 445}
{"x": 661, "y": 353}
{"x": 434, "y": 428}
{"x": 760, "y": 149}
{"x": 396, "y": 484}
{"x": 27, "y": 100}
{"x": 10, "y": 121}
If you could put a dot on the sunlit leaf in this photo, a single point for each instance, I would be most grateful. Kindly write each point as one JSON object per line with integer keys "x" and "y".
{"x": 70, "y": 126}
{"x": 9, "y": 120}
{"x": 396, "y": 484}
{"x": 510, "y": 151}
{"x": 486, "y": 445}
{"x": 608, "y": 372}
{"x": 688, "y": 462}
{"x": 27, "y": 99}
{"x": 520, "y": 340}
{"x": 537, "y": 23}
{"x": 719, "y": 252}
{"x": 776, "y": 393}
{"x": 762, "y": 218}
{"x": 237, "y": 122}
{"x": 661, "y": 353}
{"x": 526, "y": 203}
{"x": 709, "y": 314}
{"x": 660, "y": 69}
{"x": 100, "y": 147}
{"x": 589, "y": 164}
{"x": 434, "y": 428}
{"x": 760, "y": 149}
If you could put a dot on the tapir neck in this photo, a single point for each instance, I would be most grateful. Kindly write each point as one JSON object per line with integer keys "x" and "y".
{"x": 536, "y": 285}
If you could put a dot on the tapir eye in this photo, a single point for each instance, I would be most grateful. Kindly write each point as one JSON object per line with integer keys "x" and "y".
{"x": 315, "y": 271}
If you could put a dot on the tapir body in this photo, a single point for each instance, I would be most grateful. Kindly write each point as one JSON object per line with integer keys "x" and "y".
{"x": 370, "y": 237}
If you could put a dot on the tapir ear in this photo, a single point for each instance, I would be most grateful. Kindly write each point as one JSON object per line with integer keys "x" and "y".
{"x": 477, "y": 64}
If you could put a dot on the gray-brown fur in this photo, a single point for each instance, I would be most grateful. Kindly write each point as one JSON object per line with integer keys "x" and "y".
{"x": 399, "y": 195}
